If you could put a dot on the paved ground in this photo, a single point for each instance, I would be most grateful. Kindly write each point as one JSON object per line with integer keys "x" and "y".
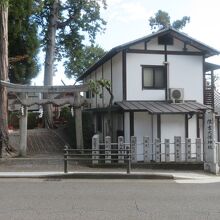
{"x": 107, "y": 200}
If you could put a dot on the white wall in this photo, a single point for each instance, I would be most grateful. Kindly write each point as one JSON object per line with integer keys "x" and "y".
{"x": 172, "y": 125}
{"x": 93, "y": 97}
{"x": 98, "y": 77}
{"x": 117, "y": 77}
{"x": 192, "y": 133}
{"x": 139, "y": 46}
{"x": 186, "y": 72}
{"x": 153, "y": 45}
{"x": 178, "y": 45}
{"x": 134, "y": 76}
{"x": 143, "y": 127}
{"x": 106, "y": 75}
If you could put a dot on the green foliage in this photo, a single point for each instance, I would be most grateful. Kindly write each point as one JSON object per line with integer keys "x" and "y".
{"x": 65, "y": 113}
{"x": 96, "y": 85}
{"x": 180, "y": 24}
{"x": 161, "y": 20}
{"x": 4, "y": 3}
{"x": 77, "y": 22}
{"x": 13, "y": 120}
{"x": 32, "y": 120}
{"x": 23, "y": 41}
{"x": 86, "y": 57}
{"x": 88, "y": 129}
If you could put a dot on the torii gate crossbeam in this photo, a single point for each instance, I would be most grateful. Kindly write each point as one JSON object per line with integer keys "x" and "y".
{"x": 23, "y": 90}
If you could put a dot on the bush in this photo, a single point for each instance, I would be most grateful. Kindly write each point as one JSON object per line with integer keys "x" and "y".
{"x": 88, "y": 130}
{"x": 32, "y": 120}
{"x": 65, "y": 114}
{"x": 13, "y": 120}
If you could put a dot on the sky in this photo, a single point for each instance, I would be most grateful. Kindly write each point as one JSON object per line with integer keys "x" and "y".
{"x": 127, "y": 20}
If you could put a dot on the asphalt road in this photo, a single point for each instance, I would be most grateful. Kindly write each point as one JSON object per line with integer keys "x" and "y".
{"x": 26, "y": 199}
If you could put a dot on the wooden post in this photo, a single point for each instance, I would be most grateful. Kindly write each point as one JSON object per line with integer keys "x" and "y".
{"x": 158, "y": 150}
{"x": 133, "y": 149}
{"x": 198, "y": 150}
{"x": 95, "y": 148}
{"x": 167, "y": 150}
{"x": 78, "y": 122}
{"x": 188, "y": 149}
{"x": 108, "y": 150}
{"x": 23, "y": 128}
{"x": 146, "y": 149}
{"x": 121, "y": 149}
{"x": 177, "y": 147}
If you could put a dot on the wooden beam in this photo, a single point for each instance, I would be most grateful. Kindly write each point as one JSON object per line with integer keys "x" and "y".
{"x": 43, "y": 89}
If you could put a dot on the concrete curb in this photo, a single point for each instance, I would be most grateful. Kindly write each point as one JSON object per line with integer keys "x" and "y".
{"x": 87, "y": 175}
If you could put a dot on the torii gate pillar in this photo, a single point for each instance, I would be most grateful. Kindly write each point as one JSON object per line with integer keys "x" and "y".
{"x": 78, "y": 122}
{"x": 23, "y": 129}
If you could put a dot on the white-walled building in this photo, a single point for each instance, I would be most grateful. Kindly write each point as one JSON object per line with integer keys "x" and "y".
{"x": 160, "y": 88}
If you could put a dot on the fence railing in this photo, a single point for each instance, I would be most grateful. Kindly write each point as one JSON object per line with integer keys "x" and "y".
{"x": 133, "y": 152}
{"x": 94, "y": 157}
{"x": 147, "y": 151}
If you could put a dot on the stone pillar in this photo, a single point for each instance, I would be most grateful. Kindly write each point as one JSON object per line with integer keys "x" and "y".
{"x": 158, "y": 150}
{"x": 23, "y": 128}
{"x": 188, "y": 150}
{"x": 167, "y": 150}
{"x": 121, "y": 149}
{"x": 95, "y": 149}
{"x": 147, "y": 149}
{"x": 133, "y": 149}
{"x": 177, "y": 147}
{"x": 108, "y": 151}
{"x": 198, "y": 150}
{"x": 78, "y": 122}
{"x": 210, "y": 152}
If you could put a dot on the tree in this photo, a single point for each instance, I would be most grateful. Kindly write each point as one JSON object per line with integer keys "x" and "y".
{"x": 161, "y": 20}
{"x": 95, "y": 87}
{"x": 3, "y": 75}
{"x": 23, "y": 41}
{"x": 65, "y": 25}
{"x": 86, "y": 57}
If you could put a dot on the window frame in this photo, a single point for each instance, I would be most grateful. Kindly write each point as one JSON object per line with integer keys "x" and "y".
{"x": 153, "y": 86}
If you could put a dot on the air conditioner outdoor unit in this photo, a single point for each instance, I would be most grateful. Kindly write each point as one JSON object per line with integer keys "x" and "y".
{"x": 177, "y": 94}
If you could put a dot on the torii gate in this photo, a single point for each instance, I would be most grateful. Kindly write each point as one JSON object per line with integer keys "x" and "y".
{"x": 75, "y": 101}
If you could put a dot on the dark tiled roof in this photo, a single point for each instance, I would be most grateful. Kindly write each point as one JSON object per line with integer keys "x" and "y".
{"x": 211, "y": 66}
{"x": 163, "y": 107}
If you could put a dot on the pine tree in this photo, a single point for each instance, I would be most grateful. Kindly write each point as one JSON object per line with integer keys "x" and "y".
{"x": 23, "y": 41}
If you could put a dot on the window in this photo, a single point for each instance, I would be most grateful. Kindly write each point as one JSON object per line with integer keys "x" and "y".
{"x": 153, "y": 77}
{"x": 165, "y": 40}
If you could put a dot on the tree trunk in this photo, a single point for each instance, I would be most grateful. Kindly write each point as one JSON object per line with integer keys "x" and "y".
{"x": 3, "y": 76}
{"x": 50, "y": 57}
